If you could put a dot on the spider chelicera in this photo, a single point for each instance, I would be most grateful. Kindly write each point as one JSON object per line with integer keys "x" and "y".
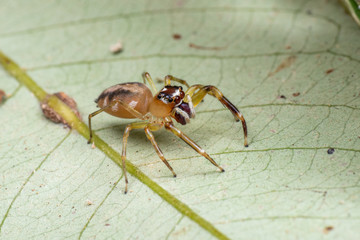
{"x": 135, "y": 100}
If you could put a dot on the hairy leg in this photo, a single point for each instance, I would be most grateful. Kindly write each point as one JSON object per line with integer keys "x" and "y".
{"x": 169, "y": 126}
{"x": 146, "y": 77}
{"x": 112, "y": 103}
{"x": 150, "y": 136}
{"x": 129, "y": 127}
{"x": 170, "y": 78}
{"x": 198, "y": 92}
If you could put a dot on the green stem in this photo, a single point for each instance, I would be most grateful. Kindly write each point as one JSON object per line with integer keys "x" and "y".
{"x": 353, "y": 7}
{"x": 68, "y": 115}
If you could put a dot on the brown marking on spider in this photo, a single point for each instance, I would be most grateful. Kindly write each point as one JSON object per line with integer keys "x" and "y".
{"x": 135, "y": 100}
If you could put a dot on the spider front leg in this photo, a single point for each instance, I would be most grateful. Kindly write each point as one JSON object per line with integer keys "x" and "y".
{"x": 128, "y": 128}
{"x": 151, "y": 138}
{"x": 170, "y": 78}
{"x": 215, "y": 92}
{"x": 169, "y": 126}
{"x": 146, "y": 76}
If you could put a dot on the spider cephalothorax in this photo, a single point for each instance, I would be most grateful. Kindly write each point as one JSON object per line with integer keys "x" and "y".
{"x": 135, "y": 100}
{"x": 171, "y": 94}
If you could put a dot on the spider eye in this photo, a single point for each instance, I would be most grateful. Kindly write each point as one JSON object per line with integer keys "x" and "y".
{"x": 159, "y": 96}
{"x": 170, "y": 99}
{"x": 177, "y": 99}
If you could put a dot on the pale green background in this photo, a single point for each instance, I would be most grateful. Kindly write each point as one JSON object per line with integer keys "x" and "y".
{"x": 284, "y": 186}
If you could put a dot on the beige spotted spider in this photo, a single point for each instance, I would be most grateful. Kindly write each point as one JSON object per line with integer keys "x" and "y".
{"x": 135, "y": 100}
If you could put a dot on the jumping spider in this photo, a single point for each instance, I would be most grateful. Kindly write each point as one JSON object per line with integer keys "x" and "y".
{"x": 135, "y": 100}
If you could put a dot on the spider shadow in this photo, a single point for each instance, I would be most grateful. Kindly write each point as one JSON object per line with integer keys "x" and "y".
{"x": 138, "y": 136}
{"x": 168, "y": 143}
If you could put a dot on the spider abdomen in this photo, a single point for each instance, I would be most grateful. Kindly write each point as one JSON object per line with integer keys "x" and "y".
{"x": 137, "y": 95}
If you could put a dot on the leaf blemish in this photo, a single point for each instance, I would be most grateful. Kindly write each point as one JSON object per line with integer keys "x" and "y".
{"x": 176, "y": 36}
{"x": 328, "y": 229}
{"x": 284, "y": 64}
{"x": 2, "y": 96}
{"x": 330, "y": 150}
{"x": 329, "y": 71}
{"x": 192, "y": 45}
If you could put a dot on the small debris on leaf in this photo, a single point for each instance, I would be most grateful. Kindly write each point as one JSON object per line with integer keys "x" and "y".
{"x": 296, "y": 94}
{"x": 93, "y": 145}
{"x": 89, "y": 202}
{"x": 282, "y": 96}
{"x": 176, "y": 36}
{"x": 192, "y": 45}
{"x": 54, "y": 116}
{"x": 116, "y": 48}
{"x": 330, "y": 151}
{"x": 107, "y": 224}
{"x": 2, "y": 96}
{"x": 329, "y": 71}
{"x": 328, "y": 229}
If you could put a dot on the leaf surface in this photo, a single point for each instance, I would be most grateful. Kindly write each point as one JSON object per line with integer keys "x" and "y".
{"x": 292, "y": 68}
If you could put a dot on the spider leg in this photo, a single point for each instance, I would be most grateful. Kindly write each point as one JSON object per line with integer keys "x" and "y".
{"x": 146, "y": 76}
{"x": 150, "y": 136}
{"x": 169, "y": 126}
{"x": 215, "y": 92}
{"x": 170, "y": 78}
{"x": 128, "y": 128}
{"x": 113, "y": 103}
{"x": 93, "y": 115}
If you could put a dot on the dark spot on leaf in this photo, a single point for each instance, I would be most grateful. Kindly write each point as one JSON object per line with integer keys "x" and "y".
{"x": 107, "y": 224}
{"x": 282, "y": 96}
{"x": 176, "y": 36}
{"x": 330, "y": 151}
{"x": 296, "y": 94}
{"x": 329, "y": 71}
{"x": 2, "y": 96}
{"x": 328, "y": 229}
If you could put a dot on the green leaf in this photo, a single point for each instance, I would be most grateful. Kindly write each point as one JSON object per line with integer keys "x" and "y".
{"x": 292, "y": 68}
